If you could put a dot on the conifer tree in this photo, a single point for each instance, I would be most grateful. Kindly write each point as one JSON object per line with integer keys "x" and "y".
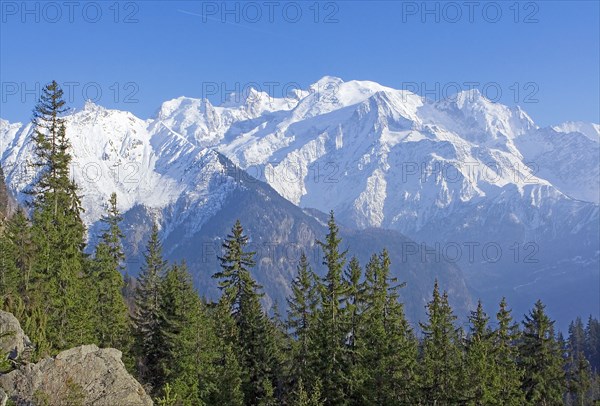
{"x": 58, "y": 232}
{"x": 111, "y": 319}
{"x": 579, "y": 374}
{"x": 228, "y": 371}
{"x": 331, "y": 330}
{"x": 592, "y": 343}
{"x": 9, "y": 272}
{"x": 479, "y": 385}
{"x": 388, "y": 349}
{"x": 18, "y": 234}
{"x": 302, "y": 312}
{"x": 4, "y": 199}
{"x": 304, "y": 397}
{"x": 234, "y": 277}
{"x": 282, "y": 356}
{"x": 241, "y": 293}
{"x": 441, "y": 354}
{"x": 148, "y": 318}
{"x": 353, "y": 304}
{"x": 541, "y": 358}
{"x": 188, "y": 339}
{"x": 509, "y": 374}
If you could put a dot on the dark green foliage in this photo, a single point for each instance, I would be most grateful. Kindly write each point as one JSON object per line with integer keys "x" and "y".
{"x": 303, "y": 397}
{"x": 541, "y": 358}
{"x": 387, "y": 346}
{"x": 58, "y": 234}
{"x": 441, "y": 353}
{"x": 301, "y": 322}
{"x": 509, "y": 374}
{"x": 241, "y": 294}
{"x": 148, "y": 318}
{"x": 188, "y": 338}
{"x": 592, "y": 343}
{"x": 110, "y": 313}
{"x": 235, "y": 280}
{"x": 579, "y": 370}
{"x": 332, "y": 335}
{"x": 228, "y": 370}
{"x": 4, "y": 198}
{"x": 479, "y": 385}
{"x": 353, "y": 305}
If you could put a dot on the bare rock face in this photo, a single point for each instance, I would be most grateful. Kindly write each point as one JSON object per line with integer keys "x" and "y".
{"x": 13, "y": 340}
{"x": 83, "y": 375}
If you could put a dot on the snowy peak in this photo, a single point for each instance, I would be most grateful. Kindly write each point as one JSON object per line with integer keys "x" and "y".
{"x": 478, "y": 118}
{"x": 337, "y": 145}
{"x": 590, "y": 130}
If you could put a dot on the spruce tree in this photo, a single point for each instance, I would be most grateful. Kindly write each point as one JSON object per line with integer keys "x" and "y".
{"x": 579, "y": 374}
{"x": 332, "y": 335}
{"x": 58, "y": 232}
{"x": 228, "y": 372}
{"x": 301, "y": 318}
{"x": 234, "y": 277}
{"x": 441, "y": 354}
{"x": 509, "y": 374}
{"x": 479, "y": 384}
{"x": 188, "y": 339}
{"x": 148, "y": 318}
{"x": 388, "y": 349}
{"x": 541, "y": 358}
{"x": 4, "y": 197}
{"x": 111, "y": 319}
{"x": 18, "y": 235}
{"x": 303, "y": 397}
{"x": 282, "y": 356}
{"x": 9, "y": 272}
{"x": 592, "y": 343}
{"x": 241, "y": 294}
{"x": 353, "y": 303}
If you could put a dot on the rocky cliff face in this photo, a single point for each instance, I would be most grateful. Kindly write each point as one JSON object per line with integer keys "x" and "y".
{"x": 85, "y": 375}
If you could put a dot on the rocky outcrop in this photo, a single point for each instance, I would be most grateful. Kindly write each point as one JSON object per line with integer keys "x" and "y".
{"x": 85, "y": 375}
{"x": 13, "y": 340}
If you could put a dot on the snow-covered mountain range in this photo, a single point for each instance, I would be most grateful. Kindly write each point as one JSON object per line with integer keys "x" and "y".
{"x": 514, "y": 205}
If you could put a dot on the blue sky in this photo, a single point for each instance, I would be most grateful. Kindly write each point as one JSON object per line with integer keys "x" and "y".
{"x": 544, "y": 56}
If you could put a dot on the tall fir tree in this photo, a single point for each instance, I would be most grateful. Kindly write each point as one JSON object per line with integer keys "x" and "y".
{"x": 282, "y": 356}
{"x": 234, "y": 277}
{"x": 332, "y": 335}
{"x": 228, "y": 372}
{"x": 188, "y": 338}
{"x": 111, "y": 319}
{"x": 303, "y": 397}
{"x": 388, "y": 349}
{"x": 148, "y": 319}
{"x": 542, "y": 359}
{"x": 592, "y": 343}
{"x": 480, "y": 369}
{"x": 58, "y": 232}
{"x": 509, "y": 374}
{"x": 579, "y": 371}
{"x": 301, "y": 322}
{"x": 241, "y": 294}
{"x": 441, "y": 353}
{"x": 18, "y": 234}
{"x": 353, "y": 304}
